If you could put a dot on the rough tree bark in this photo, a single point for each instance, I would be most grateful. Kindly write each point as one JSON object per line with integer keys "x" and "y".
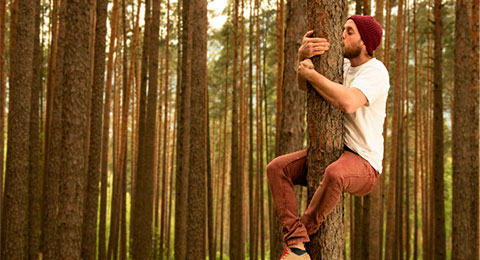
{"x": 143, "y": 215}
{"x": 89, "y": 240}
{"x": 292, "y": 123}
{"x": 325, "y": 123}
{"x": 391, "y": 243}
{"x": 236, "y": 196}
{"x": 465, "y": 140}
{"x": 183, "y": 137}
{"x": 76, "y": 78}
{"x": 373, "y": 202}
{"x": 16, "y": 176}
{"x": 35, "y": 173}
{"x": 196, "y": 216}
{"x": 53, "y": 151}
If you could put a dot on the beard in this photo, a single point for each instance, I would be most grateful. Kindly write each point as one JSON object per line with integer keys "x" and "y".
{"x": 352, "y": 51}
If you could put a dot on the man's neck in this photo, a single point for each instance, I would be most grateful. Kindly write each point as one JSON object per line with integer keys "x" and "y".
{"x": 359, "y": 60}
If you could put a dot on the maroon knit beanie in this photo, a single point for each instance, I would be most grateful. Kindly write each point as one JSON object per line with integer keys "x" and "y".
{"x": 370, "y": 31}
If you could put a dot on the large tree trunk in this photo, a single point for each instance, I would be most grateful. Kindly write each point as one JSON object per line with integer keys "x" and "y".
{"x": 325, "y": 124}
{"x": 89, "y": 240}
{"x": 437, "y": 146}
{"x": 76, "y": 81}
{"x": 292, "y": 124}
{"x": 465, "y": 141}
{"x": 16, "y": 176}
{"x": 196, "y": 219}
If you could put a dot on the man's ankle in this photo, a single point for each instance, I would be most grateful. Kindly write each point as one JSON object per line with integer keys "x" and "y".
{"x": 299, "y": 245}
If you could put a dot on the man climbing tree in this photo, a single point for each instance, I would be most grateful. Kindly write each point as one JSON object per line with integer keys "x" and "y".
{"x": 362, "y": 98}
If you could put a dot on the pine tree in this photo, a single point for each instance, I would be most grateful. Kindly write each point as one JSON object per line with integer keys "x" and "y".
{"x": 292, "y": 129}
{"x": 16, "y": 175}
{"x": 437, "y": 145}
{"x": 465, "y": 140}
{"x": 196, "y": 218}
{"x": 328, "y": 241}
{"x": 76, "y": 79}
{"x": 89, "y": 240}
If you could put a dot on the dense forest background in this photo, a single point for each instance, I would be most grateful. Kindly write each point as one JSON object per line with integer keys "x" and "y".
{"x": 142, "y": 129}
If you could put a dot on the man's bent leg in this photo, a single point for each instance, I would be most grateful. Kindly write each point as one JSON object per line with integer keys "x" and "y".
{"x": 350, "y": 173}
{"x": 284, "y": 172}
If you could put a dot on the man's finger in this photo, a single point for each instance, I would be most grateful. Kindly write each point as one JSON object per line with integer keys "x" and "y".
{"x": 308, "y": 33}
{"x": 321, "y": 44}
{"x": 320, "y": 48}
{"x": 315, "y": 40}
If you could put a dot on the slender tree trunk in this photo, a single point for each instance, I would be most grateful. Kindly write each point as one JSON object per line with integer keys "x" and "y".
{"x": 358, "y": 230}
{"x": 102, "y": 254}
{"x": 416, "y": 141}
{"x": 224, "y": 148}
{"x": 243, "y": 117}
{"x": 386, "y": 57}
{"x": 169, "y": 218}
{"x": 16, "y": 175}
{"x": 280, "y": 20}
{"x": 165, "y": 134}
{"x": 393, "y": 196}
{"x": 89, "y": 240}
{"x": 465, "y": 139}
{"x": 367, "y": 7}
{"x": 358, "y": 6}
{"x": 35, "y": 173}
{"x": 114, "y": 202}
{"x": 236, "y": 197}
{"x": 257, "y": 200}
{"x": 183, "y": 138}
{"x": 437, "y": 146}
{"x": 292, "y": 125}
{"x": 325, "y": 129}
{"x": 123, "y": 138}
{"x": 251, "y": 196}
{"x": 3, "y": 95}
{"x": 143, "y": 215}
{"x": 54, "y": 146}
{"x": 373, "y": 202}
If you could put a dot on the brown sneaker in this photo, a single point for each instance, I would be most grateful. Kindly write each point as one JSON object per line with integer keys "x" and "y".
{"x": 289, "y": 255}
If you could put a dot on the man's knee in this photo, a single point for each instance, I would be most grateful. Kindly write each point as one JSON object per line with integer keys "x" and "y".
{"x": 333, "y": 174}
{"x": 273, "y": 168}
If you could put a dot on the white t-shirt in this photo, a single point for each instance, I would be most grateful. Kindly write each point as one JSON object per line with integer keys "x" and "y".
{"x": 364, "y": 127}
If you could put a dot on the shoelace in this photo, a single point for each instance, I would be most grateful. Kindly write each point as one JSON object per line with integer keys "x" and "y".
{"x": 285, "y": 252}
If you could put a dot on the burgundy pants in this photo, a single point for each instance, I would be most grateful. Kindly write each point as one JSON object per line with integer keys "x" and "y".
{"x": 350, "y": 173}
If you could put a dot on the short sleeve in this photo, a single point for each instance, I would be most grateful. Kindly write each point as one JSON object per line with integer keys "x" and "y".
{"x": 373, "y": 82}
